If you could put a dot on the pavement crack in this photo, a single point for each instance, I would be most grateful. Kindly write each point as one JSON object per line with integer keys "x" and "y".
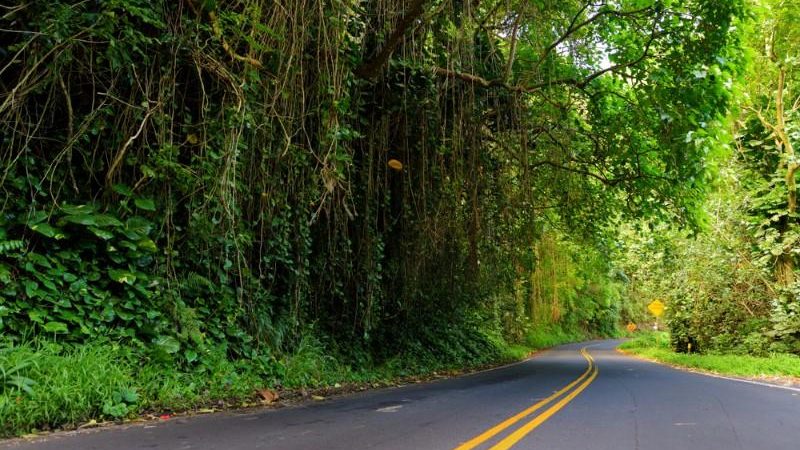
{"x": 730, "y": 422}
{"x": 635, "y": 412}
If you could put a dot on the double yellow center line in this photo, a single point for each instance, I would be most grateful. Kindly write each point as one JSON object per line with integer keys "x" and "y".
{"x": 571, "y": 391}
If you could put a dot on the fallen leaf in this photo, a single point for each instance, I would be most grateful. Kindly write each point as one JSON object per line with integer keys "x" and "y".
{"x": 164, "y": 416}
{"x": 267, "y": 395}
{"x": 90, "y": 424}
{"x": 318, "y": 397}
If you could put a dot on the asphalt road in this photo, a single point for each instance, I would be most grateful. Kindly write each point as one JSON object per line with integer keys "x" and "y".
{"x": 558, "y": 400}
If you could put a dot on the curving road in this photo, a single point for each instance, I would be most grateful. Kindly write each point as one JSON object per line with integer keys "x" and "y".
{"x": 564, "y": 398}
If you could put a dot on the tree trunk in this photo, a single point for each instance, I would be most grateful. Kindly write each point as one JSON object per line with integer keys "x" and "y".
{"x": 784, "y": 267}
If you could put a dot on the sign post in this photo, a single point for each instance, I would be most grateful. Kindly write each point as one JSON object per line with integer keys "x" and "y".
{"x": 656, "y": 308}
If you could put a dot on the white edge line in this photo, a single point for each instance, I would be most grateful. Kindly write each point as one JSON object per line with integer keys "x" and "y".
{"x": 708, "y": 374}
{"x": 742, "y": 380}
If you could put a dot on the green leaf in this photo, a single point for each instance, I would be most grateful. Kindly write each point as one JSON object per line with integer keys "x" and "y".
{"x": 56, "y": 327}
{"x": 37, "y": 315}
{"x": 31, "y": 288}
{"x": 137, "y": 228}
{"x": 127, "y": 244}
{"x": 102, "y": 234}
{"x": 37, "y": 217}
{"x": 123, "y": 189}
{"x": 147, "y": 244}
{"x": 168, "y": 344}
{"x": 122, "y": 276}
{"x": 77, "y": 209}
{"x": 81, "y": 219}
{"x": 126, "y": 316}
{"x": 127, "y": 395}
{"x": 23, "y": 383}
{"x": 191, "y": 356}
{"x": 115, "y": 410}
{"x": 104, "y": 220}
{"x": 46, "y": 230}
{"x": 145, "y": 204}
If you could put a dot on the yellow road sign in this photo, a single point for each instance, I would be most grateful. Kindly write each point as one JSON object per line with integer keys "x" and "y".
{"x": 631, "y": 327}
{"x": 656, "y": 308}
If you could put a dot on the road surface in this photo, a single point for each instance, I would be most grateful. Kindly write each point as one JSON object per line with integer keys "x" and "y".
{"x": 565, "y": 398}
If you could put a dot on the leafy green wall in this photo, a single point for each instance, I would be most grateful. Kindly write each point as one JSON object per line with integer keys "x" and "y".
{"x": 179, "y": 175}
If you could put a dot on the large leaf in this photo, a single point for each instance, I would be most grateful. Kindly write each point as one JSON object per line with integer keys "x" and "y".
{"x": 104, "y": 220}
{"x": 77, "y": 209}
{"x": 56, "y": 327}
{"x": 81, "y": 219}
{"x": 101, "y": 233}
{"x": 46, "y": 230}
{"x": 147, "y": 245}
{"x": 122, "y": 276}
{"x": 122, "y": 189}
{"x": 37, "y": 315}
{"x": 145, "y": 204}
{"x": 168, "y": 344}
{"x": 137, "y": 228}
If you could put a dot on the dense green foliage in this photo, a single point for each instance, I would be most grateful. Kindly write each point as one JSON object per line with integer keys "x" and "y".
{"x": 388, "y": 183}
{"x": 657, "y": 346}
{"x": 731, "y": 287}
{"x": 47, "y": 385}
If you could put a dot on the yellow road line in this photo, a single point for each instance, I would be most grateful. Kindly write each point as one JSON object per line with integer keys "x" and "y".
{"x": 491, "y": 432}
{"x": 522, "y": 431}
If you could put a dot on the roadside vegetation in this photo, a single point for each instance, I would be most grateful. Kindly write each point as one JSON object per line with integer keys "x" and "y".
{"x": 203, "y": 199}
{"x": 47, "y": 386}
{"x": 656, "y": 346}
{"x": 730, "y": 284}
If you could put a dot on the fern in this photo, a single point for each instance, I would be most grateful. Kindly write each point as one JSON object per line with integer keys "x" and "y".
{"x": 7, "y": 246}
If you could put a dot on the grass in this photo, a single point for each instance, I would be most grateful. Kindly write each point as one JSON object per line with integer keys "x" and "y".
{"x": 63, "y": 388}
{"x": 551, "y": 335}
{"x": 47, "y": 386}
{"x": 656, "y": 346}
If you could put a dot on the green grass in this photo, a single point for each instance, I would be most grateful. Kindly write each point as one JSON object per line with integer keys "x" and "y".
{"x": 656, "y": 346}
{"x": 64, "y": 388}
{"x": 47, "y": 386}
{"x": 551, "y": 335}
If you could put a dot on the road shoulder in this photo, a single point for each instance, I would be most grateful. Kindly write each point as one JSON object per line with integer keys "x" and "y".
{"x": 779, "y": 382}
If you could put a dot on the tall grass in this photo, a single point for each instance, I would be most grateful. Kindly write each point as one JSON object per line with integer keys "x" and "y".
{"x": 656, "y": 346}
{"x": 66, "y": 387}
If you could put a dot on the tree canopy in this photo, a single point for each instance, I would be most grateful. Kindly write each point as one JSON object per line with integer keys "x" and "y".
{"x": 180, "y": 174}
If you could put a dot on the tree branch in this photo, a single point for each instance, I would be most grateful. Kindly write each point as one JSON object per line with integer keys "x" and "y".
{"x": 371, "y": 68}
{"x": 512, "y": 51}
{"x": 574, "y": 28}
{"x": 600, "y": 178}
{"x": 579, "y": 83}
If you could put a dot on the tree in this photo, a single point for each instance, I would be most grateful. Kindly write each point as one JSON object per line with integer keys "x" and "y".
{"x": 774, "y": 101}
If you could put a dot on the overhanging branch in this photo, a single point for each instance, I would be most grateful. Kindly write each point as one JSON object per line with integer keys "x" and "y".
{"x": 371, "y": 68}
{"x": 579, "y": 83}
